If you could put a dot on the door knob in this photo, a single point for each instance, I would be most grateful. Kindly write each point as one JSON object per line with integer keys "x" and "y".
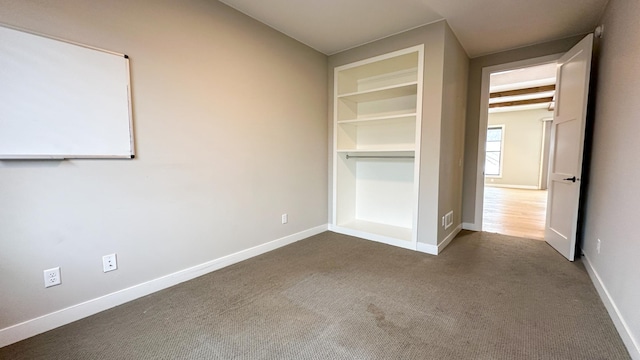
{"x": 573, "y": 179}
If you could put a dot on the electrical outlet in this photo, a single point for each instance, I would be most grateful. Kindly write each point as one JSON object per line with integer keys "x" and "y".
{"x": 443, "y": 221}
{"x": 285, "y": 218}
{"x": 598, "y": 246}
{"x": 109, "y": 263}
{"x": 52, "y": 277}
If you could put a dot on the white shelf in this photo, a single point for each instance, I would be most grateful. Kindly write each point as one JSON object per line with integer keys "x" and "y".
{"x": 388, "y": 92}
{"x": 380, "y": 150}
{"x": 393, "y": 133}
{"x": 378, "y": 72}
{"x": 385, "y": 230}
{"x": 379, "y": 119}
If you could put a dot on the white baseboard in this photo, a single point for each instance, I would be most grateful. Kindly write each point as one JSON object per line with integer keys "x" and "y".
{"x": 632, "y": 344}
{"x": 435, "y": 250}
{"x": 471, "y": 226}
{"x": 371, "y": 236}
{"x": 427, "y": 248}
{"x": 526, "y": 187}
{"x": 443, "y": 244}
{"x": 65, "y": 316}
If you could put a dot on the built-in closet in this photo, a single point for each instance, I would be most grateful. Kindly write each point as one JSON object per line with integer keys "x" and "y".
{"x": 398, "y": 109}
{"x": 377, "y": 118}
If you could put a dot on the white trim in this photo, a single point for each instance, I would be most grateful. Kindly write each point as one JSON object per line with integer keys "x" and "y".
{"x": 632, "y": 344}
{"x": 418, "y": 146}
{"x": 29, "y": 328}
{"x": 471, "y": 227}
{"x": 484, "y": 119}
{"x": 435, "y": 250}
{"x": 427, "y": 248}
{"x": 333, "y": 205}
{"x": 406, "y": 244}
{"x": 542, "y": 153}
{"x": 526, "y": 187}
{"x": 449, "y": 237}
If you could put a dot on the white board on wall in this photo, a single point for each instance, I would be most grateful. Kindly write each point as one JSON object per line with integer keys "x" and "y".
{"x": 62, "y": 100}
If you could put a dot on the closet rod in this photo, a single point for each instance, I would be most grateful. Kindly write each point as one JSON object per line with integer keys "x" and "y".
{"x": 378, "y": 157}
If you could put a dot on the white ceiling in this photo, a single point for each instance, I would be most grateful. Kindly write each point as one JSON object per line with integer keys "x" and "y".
{"x": 537, "y": 75}
{"x": 482, "y": 26}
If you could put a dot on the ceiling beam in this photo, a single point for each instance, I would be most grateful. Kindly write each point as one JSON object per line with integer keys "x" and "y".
{"x": 531, "y": 90}
{"x": 522, "y": 102}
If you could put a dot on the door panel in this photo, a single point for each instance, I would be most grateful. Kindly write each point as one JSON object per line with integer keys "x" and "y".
{"x": 567, "y": 147}
{"x": 567, "y": 143}
{"x": 562, "y": 205}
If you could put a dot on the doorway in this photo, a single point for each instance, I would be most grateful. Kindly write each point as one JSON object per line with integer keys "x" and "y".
{"x": 517, "y": 122}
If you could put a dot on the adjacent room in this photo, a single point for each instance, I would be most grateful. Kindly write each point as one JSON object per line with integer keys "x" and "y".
{"x": 314, "y": 180}
{"x": 520, "y": 113}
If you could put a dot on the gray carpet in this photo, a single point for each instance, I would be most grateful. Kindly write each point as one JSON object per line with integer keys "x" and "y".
{"x": 332, "y": 296}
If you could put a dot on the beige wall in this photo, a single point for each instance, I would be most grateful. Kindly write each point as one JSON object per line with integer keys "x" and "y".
{"x": 439, "y": 43}
{"x": 230, "y": 130}
{"x": 523, "y": 131}
{"x": 454, "y": 105}
{"x": 473, "y": 109}
{"x": 613, "y": 197}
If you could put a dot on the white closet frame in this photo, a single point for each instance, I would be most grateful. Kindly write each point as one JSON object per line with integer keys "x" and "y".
{"x": 377, "y": 119}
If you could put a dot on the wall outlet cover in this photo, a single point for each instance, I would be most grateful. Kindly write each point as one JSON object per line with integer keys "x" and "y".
{"x": 52, "y": 277}
{"x": 109, "y": 263}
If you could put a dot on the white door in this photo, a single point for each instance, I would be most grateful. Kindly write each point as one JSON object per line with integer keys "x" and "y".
{"x": 567, "y": 142}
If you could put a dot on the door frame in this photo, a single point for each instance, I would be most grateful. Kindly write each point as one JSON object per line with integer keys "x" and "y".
{"x": 483, "y": 120}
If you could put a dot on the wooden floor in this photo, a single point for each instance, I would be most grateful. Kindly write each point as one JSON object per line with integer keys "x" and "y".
{"x": 515, "y": 212}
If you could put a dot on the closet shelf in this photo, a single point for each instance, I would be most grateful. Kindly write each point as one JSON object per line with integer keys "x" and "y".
{"x": 387, "y": 92}
{"x": 391, "y": 231}
{"x": 379, "y": 150}
{"x": 380, "y": 119}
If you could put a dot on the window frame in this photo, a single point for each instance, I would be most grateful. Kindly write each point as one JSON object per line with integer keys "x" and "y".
{"x": 501, "y": 159}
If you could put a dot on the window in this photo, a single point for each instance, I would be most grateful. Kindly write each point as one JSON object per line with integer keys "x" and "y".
{"x": 493, "y": 160}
